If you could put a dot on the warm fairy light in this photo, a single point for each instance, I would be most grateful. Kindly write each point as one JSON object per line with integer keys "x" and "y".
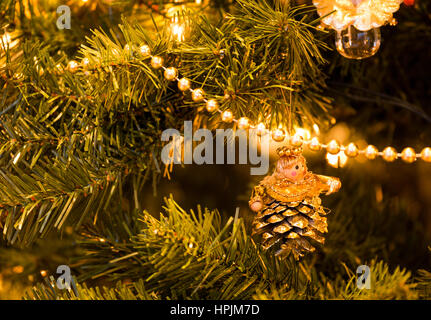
{"x": 332, "y": 159}
{"x": 43, "y": 273}
{"x": 316, "y": 129}
{"x": 177, "y": 31}
{"x": 198, "y": 1}
{"x": 102, "y": 240}
{"x": 338, "y": 160}
{"x": 178, "y": 24}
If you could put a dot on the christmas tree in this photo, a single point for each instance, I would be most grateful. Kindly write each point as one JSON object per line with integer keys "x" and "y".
{"x": 105, "y": 192}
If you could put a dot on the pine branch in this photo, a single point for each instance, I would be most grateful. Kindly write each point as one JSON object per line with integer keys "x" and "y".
{"x": 189, "y": 255}
{"x": 194, "y": 255}
{"x": 49, "y": 291}
{"x": 105, "y": 132}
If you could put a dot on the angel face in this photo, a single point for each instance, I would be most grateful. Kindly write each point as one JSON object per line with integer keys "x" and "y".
{"x": 292, "y": 168}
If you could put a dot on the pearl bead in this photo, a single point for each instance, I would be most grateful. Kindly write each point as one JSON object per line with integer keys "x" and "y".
{"x": 184, "y": 84}
{"x": 351, "y": 150}
{"x": 260, "y": 129}
{"x": 408, "y": 155}
{"x": 333, "y": 147}
{"x": 315, "y": 145}
{"x": 390, "y": 154}
{"x": 278, "y": 135}
{"x": 243, "y": 123}
{"x": 145, "y": 50}
{"x": 371, "y": 152}
{"x": 426, "y": 154}
{"x": 296, "y": 140}
{"x": 227, "y": 116}
{"x": 170, "y": 73}
{"x": 212, "y": 105}
{"x": 198, "y": 95}
{"x": 157, "y": 62}
{"x": 72, "y": 66}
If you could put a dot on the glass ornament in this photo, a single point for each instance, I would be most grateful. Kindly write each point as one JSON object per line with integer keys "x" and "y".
{"x": 356, "y": 44}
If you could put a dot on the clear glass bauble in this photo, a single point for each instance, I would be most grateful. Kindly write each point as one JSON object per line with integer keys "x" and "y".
{"x": 355, "y": 44}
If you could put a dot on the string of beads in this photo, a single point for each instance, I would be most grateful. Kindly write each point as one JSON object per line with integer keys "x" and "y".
{"x": 351, "y": 150}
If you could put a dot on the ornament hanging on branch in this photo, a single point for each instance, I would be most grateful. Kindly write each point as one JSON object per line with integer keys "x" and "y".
{"x": 288, "y": 206}
{"x": 357, "y": 23}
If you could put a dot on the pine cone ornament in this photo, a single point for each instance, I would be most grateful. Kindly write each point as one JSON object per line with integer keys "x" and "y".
{"x": 288, "y": 206}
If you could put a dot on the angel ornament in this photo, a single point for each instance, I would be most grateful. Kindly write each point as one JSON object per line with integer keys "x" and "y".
{"x": 288, "y": 206}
